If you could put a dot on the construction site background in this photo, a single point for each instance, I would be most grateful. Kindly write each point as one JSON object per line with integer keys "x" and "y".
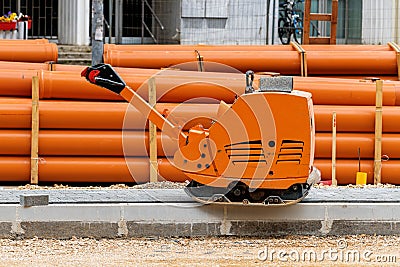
{"x": 202, "y": 21}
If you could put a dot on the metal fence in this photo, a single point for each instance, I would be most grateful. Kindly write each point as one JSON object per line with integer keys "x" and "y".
{"x": 44, "y": 15}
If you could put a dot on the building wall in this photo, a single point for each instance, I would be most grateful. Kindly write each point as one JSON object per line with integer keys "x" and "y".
{"x": 74, "y": 21}
{"x": 223, "y": 22}
{"x": 380, "y": 21}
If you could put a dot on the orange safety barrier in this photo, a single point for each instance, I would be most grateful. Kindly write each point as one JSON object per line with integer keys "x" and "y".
{"x": 346, "y": 170}
{"x": 28, "y": 52}
{"x": 86, "y": 170}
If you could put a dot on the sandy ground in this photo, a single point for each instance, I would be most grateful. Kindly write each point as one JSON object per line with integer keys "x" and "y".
{"x": 286, "y": 251}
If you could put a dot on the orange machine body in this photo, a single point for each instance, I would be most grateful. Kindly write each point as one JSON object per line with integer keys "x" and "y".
{"x": 261, "y": 143}
{"x": 265, "y": 140}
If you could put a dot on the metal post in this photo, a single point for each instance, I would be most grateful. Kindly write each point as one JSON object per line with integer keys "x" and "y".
{"x": 110, "y": 13}
{"x": 18, "y": 6}
{"x": 273, "y": 22}
{"x": 97, "y": 31}
{"x": 118, "y": 21}
{"x": 267, "y": 19}
{"x": 142, "y": 22}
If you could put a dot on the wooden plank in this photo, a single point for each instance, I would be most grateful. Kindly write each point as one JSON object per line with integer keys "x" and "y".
{"x": 320, "y": 40}
{"x": 35, "y": 132}
{"x": 308, "y": 17}
{"x": 320, "y": 16}
{"x": 303, "y": 58}
{"x": 378, "y": 133}
{"x": 51, "y": 66}
{"x": 153, "y": 133}
{"x": 306, "y": 26}
{"x": 334, "y": 21}
{"x": 334, "y": 180}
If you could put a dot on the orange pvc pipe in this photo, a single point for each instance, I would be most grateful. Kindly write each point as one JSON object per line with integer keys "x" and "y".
{"x": 352, "y": 62}
{"x": 70, "y": 85}
{"x": 15, "y": 113}
{"x": 355, "y": 118}
{"x": 108, "y": 47}
{"x": 7, "y": 65}
{"x": 115, "y": 170}
{"x": 84, "y": 143}
{"x": 347, "y": 145}
{"x": 29, "y": 41}
{"x": 360, "y": 77}
{"x": 16, "y": 83}
{"x": 29, "y": 52}
{"x": 330, "y": 91}
{"x": 179, "y": 86}
{"x": 346, "y": 170}
{"x": 264, "y": 61}
{"x": 285, "y": 62}
{"x": 135, "y": 143}
{"x": 86, "y": 170}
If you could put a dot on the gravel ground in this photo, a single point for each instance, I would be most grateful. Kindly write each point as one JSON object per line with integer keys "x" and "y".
{"x": 152, "y": 185}
{"x": 373, "y": 251}
{"x": 163, "y": 185}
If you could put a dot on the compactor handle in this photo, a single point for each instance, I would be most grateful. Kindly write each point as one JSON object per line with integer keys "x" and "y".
{"x": 105, "y": 76}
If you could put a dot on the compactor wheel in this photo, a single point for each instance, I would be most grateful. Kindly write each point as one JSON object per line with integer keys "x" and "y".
{"x": 240, "y": 194}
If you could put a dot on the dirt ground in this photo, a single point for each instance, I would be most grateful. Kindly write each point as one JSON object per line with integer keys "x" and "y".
{"x": 281, "y": 251}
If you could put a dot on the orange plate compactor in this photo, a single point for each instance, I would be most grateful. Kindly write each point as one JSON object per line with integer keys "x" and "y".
{"x": 259, "y": 150}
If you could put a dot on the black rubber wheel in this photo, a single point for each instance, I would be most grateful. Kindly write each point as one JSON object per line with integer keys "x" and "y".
{"x": 284, "y": 31}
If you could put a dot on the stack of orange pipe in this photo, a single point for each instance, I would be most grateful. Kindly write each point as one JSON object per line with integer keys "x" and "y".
{"x": 28, "y": 50}
{"x": 351, "y": 60}
{"x": 86, "y": 131}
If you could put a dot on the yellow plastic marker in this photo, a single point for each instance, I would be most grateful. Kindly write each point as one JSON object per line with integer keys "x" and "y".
{"x": 361, "y": 177}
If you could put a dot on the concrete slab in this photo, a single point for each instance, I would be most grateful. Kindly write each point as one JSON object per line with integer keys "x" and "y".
{"x": 163, "y": 219}
{"x": 71, "y": 196}
{"x": 170, "y": 212}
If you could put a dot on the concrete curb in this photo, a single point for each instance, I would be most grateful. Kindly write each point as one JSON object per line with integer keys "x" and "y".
{"x": 191, "y": 219}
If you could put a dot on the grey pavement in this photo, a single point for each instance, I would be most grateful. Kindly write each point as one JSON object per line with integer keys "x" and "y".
{"x": 92, "y": 196}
